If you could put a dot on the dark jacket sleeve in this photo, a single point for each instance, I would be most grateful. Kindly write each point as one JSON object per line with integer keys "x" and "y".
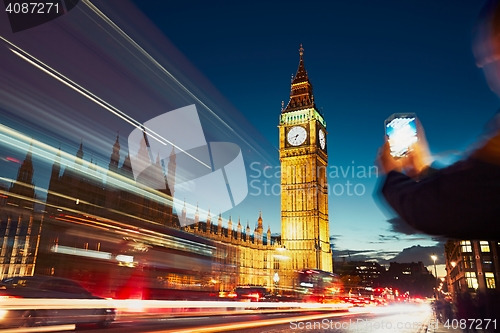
{"x": 460, "y": 201}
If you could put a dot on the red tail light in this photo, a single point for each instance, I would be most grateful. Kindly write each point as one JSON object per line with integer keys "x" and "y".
{"x": 9, "y": 297}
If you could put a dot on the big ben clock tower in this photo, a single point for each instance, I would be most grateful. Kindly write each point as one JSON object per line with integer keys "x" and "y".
{"x": 304, "y": 191}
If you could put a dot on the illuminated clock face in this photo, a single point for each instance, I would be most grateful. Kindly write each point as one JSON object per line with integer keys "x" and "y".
{"x": 322, "y": 139}
{"x": 297, "y": 135}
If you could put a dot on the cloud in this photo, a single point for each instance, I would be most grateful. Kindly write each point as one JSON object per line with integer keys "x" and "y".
{"x": 410, "y": 254}
{"x": 420, "y": 253}
{"x": 383, "y": 238}
{"x": 440, "y": 239}
{"x": 399, "y": 225}
{"x": 335, "y": 237}
{"x": 351, "y": 252}
{"x": 418, "y": 239}
{"x": 381, "y": 257}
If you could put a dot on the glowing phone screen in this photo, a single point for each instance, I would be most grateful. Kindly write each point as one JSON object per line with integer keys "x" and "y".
{"x": 402, "y": 134}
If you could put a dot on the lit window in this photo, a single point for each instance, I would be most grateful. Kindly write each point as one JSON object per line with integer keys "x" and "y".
{"x": 466, "y": 246}
{"x": 487, "y": 264}
{"x": 468, "y": 262}
{"x": 485, "y": 246}
{"x": 490, "y": 280}
{"x": 471, "y": 280}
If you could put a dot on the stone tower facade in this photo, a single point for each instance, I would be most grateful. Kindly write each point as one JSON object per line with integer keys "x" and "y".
{"x": 304, "y": 192}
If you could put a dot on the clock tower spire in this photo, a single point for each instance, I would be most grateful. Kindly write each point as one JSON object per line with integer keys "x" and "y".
{"x": 304, "y": 191}
{"x": 301, "y": 93}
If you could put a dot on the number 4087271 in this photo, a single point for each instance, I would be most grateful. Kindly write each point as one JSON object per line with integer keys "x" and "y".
{"x": 471, "y": 324}
{"x": 32, "y": 8}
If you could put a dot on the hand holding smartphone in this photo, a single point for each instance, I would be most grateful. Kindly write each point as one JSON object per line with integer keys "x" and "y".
{"x": 401, "y": 132}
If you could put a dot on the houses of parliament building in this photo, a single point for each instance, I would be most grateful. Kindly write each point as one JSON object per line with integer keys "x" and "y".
{"x": 98, "y": 224}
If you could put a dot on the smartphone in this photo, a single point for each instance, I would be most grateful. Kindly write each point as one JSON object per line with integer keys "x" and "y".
{"x": 401, "y": 132}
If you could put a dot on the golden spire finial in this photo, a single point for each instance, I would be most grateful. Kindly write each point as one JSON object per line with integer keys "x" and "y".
{"x": 301, "y": 50}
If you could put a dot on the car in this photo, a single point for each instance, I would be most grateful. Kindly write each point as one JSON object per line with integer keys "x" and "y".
{"x": 251, "y": 293}
{"x": 49, "y": 287}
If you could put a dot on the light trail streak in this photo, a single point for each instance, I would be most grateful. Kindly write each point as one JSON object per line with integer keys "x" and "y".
{"x": 7, "y": 194}
{"x": 44, "y": 151}
{"x": 149, "y": 237}
{"x": 52, "y": 328}
{"x": 254, "y": 323}
{"x": 156, "y": 63}
{"x": 119, "y": 228}
{"x": 50, "y": 303}
{"x": 84, "y": 92}
{"x": 80, "y": 252}
{"x": 81, "y": 223}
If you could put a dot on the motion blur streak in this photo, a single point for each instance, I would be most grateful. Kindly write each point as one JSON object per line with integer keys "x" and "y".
{"x": 42, "y": 303}
{"x": 41, "y": 329}
{"x": 7, "y": 194}
{"x": 73, "y": 85}
{"x": 156, "y": 63}
{"x": 152, "y": 236}
{"x": 402, "y": 309}
{"x": 253, "y": 324}
{"x": 14, "y": 139}
{"x": 46, "y": 152}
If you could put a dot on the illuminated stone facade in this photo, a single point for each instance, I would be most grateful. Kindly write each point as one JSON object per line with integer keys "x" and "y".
{"x": 472, "y": 266}
{"x": 304, "y": 192}
{"x": 19, "y": 228}
{"x": 249, "y": 257}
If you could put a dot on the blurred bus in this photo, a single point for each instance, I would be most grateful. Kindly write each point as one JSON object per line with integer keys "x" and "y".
{"x": 318, "y": 286}
{"x": 121, "y": 261}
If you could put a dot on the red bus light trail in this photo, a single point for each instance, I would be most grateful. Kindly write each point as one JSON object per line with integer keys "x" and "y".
{"x": 12, "y": 159}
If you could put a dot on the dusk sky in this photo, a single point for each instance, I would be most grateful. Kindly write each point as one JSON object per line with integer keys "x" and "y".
{"x": 365, "y": 59}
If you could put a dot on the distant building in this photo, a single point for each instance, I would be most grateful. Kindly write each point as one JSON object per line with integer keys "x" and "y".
{"x": 369, "y": 272}
{"x": 20, "y": 227}
{"x": 472, "y": 266}
{"x": 19, "y": 241}
{"x": 409, "y": 277}
{"x": 22, "y": 191}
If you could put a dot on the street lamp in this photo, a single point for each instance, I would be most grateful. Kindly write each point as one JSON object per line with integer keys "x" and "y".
{"x": 214, "y": 283}
{"x": 449, "y": 275}
{"x": 434, "y": 258}
{"x": 276, "y": 279}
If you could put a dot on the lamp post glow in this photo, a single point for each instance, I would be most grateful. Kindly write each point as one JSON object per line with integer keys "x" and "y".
{"x": 276, "y": 279}
{"x": 434, "y": 258}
